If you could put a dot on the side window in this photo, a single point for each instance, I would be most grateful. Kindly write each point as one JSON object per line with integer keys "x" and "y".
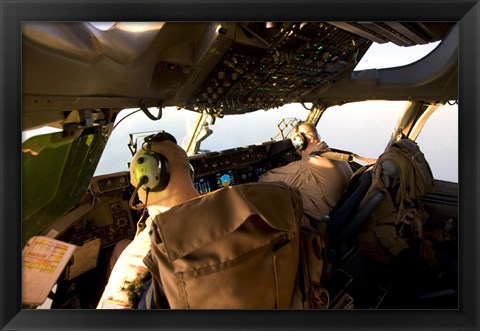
{"x": 438, "y": 140}
{"x": 116, "y": 155}
{"x": 363, "y": 128}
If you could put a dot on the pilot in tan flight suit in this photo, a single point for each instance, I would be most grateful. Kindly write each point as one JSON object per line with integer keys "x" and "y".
{"x": 130, "y": 263}
{"x": 209, "y": 251}
{"x": 321, "y": 181}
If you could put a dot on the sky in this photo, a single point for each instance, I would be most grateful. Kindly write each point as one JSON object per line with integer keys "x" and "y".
{"x": 234, "y": 131}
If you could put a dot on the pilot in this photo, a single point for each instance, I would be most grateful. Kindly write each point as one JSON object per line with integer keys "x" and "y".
{"x": 130, "y": 266}
{"x": 321, "y": 181}
{"x": 182, "y": 222}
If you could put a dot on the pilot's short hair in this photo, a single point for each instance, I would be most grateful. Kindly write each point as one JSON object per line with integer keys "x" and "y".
{"x": 311, "y": 126}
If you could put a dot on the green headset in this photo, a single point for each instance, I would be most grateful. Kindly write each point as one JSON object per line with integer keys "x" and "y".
{"x": 151, "y": 170}
{"x": 298, "y": 139}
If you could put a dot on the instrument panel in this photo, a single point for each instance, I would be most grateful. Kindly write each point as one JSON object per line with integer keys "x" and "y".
{"x": 270, "y": 66}
{"x": 239, "y": 165}
{"x": 109, "y": 217}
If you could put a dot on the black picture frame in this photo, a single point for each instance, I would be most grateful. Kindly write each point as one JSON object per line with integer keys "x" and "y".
{"x": 13, "y": 12}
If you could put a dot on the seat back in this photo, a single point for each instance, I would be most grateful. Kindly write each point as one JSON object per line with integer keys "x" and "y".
{"x": 348, "y": 216}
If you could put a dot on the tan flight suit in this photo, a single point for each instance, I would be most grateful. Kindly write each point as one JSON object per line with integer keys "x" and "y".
{"x": 321, "y": 181}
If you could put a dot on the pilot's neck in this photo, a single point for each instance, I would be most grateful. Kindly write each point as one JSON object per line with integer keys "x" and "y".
{"x": 171, "y": 197}
{"x": 315, "y": 147}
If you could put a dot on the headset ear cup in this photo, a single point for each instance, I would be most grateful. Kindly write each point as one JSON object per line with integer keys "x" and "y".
{"x": 155, "y": 168}
{"x": 299, "y": 141}
{"x": 163, "y": 173}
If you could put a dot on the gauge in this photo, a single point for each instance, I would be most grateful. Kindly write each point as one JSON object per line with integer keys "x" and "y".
{"x": 225, "y": 180}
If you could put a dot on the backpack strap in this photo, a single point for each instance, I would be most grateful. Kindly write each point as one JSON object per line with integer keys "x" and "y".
{"x": 343, "y": 156}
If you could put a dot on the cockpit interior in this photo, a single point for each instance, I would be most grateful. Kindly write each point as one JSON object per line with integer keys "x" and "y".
{"x": 215, "y": 69}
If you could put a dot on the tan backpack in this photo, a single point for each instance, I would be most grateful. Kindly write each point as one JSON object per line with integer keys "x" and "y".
{"x": 402, "y": 175}
{"x": 237, "y": 247}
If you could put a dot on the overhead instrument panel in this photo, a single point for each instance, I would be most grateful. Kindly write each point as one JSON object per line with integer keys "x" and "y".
{"x": 221, "y": 68}
{"x": 268, "y": 66}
